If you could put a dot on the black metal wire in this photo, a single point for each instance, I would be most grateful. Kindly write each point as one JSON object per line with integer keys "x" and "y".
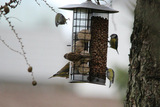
{"x": 81, "y": 20}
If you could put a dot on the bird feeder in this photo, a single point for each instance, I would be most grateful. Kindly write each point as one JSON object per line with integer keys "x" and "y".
{"x": 89, "y": 38}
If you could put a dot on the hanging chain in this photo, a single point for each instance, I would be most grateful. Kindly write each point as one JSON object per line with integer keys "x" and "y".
{"x": 111, "y": 3}
{"x": 114, "y": 24}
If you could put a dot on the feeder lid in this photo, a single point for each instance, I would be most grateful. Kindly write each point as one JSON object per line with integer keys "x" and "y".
{"x": 90, "y": 5}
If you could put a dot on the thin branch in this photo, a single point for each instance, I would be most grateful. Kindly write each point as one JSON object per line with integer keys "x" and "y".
{"x": 15, "y": 5}
{"x": 10, "y": 4}
{"x": 10, "y": 47}
{"x": 21, "y": 44}
{"x": 37, "y": 2}
{"x": 15, "y": 18}
{"x": 4, "y": 9}
{"x": 49, "y": 6}
{"x": 19, "y": 39}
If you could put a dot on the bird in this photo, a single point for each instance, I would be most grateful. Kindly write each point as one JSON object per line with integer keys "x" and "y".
{"x": 73, "y": 56}
{"x": 60, "y": 19}
{"x": 64, "y": 72}
{"x": 110, "y": 75}
{"x": 114, "y": 42}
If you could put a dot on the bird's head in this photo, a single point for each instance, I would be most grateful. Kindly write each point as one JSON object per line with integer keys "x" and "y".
{"x": 110, "y": 70}
{"x": 114, "y": 36}
{"x": 66, "y": 55}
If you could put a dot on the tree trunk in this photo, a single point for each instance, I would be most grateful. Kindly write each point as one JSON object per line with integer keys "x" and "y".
{"x": 144, "y": 72}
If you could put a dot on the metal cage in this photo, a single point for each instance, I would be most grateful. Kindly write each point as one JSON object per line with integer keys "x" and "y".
{"x": 79, "y": 71}
{"x": 81, "y": 40}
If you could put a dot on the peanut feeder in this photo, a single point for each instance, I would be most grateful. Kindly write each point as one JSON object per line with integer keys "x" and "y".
{"x": 89, "y": 38}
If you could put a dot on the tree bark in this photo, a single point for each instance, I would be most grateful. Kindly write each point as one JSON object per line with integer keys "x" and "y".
{"x": 144, "y": 71}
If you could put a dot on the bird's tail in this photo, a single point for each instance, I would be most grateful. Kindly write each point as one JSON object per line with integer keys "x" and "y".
{"x": 110, "y": 84}
{"x": 52, "y": 76}
{"x": 117, "y": 51}
{"x": 66, "y": 20}
{"x": 57, "y": 24}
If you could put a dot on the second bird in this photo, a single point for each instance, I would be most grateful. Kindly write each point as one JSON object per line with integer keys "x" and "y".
{"x": 60, "y": 19}
{"x": 114, "y": 42}
{"x": 110, "y": 75}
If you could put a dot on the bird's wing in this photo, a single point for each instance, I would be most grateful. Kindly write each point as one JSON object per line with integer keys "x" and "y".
{"x": 57, "y": 19}
{"x": 63, "y": 72}
{"x": 116, "y": 43}
{"x": 64, "y": 69}
{"x": 63, "y": 19}
{"x": 113, "y": 43}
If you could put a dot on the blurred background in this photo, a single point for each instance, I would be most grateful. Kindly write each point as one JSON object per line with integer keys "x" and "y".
{"x": 45, "y": 45}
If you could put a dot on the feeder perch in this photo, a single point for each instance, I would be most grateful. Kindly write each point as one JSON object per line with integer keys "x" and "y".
{"x": 90, "y": 38}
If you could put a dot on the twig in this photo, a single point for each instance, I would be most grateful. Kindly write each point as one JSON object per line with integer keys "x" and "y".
{"x": 15, "y": 18}
{"x": 9, "y": 4}
{"x": 37, "y": 2}
{"x": 10, "y": 47}
{"x": 19, "y": 39}
{"x": 21, "y": 44}
{"x": 49, "y": 6}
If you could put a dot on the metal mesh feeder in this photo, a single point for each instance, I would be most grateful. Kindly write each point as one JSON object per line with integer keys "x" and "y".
{"x": 90, "y": 39}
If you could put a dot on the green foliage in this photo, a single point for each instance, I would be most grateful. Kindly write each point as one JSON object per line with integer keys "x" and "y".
{"x": 121, "y": 80}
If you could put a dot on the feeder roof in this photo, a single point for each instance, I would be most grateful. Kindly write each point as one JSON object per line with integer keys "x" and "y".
{"x": 90, "y": 5}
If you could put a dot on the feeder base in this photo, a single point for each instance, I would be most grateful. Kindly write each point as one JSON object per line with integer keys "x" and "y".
{"x": 79, "y": 78}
